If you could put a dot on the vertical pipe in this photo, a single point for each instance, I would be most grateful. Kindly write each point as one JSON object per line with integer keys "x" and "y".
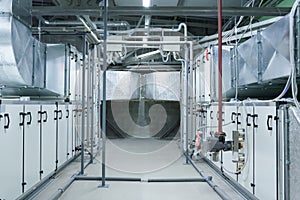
{"x": 67, "y": 62}
{"x": 92, "y": 101}
{"x": 83, "y": 104}
{"x": 220, "y": 66}
{"x": 104, "y": 92}
{"x": 88, "y": 102}
{"x": 23, "y": 151}
{"x": 186, "y": 103}
{"x": 41, "y": 142}
{"x": 195, "y": 97}
{"x": 56, "y": 136}
{"x": 99, "y": 92}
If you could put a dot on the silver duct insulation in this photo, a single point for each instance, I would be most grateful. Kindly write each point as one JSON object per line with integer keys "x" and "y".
{"x": 265, "y": 56}
{"x": 257, "y": 68}
{"x": 22, "y": 58}
{"x": 124, "y": 85}
{"x": 228, "y": 72}
{"x": 21, "y": 9}
{"x": 163, "y": 86}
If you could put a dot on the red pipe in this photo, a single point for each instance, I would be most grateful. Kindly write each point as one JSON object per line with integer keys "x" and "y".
{"x": 220, "y": 128}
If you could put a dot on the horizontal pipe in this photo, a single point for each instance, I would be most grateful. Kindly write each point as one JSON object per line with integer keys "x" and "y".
{"x": 219, "y": 191}
{"x": 62, "y": 189}
{"x": 231, "y": 181}
{"x": 161, "y": 11}
{"x": 129, "y": 179}
{"x": 170, "y": 180}
{"x": 39, "y": 186}
{"x": 98, "y": 178}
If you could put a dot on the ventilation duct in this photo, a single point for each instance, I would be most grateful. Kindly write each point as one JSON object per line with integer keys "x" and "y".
{"x": 22, "y": 58}
{"x": 27, "y": 66}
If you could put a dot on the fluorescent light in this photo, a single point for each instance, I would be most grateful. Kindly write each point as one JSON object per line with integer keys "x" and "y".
{"x": 146, "y": 3}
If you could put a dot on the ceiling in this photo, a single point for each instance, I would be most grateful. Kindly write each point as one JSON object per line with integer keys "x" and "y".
{"x": 200, "y": 15}
{"x": 58, "y": 20}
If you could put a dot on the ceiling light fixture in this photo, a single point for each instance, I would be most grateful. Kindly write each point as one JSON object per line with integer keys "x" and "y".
{"x": 146, "y": 3}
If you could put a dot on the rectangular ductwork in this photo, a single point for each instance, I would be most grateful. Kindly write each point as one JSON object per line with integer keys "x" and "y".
{"x": 257, "y": 68}
{"x": 265, "y": 57}
{"x": 124, "y": 85}
{"x": 27, "y": 66}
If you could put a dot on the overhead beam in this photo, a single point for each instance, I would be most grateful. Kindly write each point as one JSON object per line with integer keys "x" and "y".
{"x": 162, "y": 11}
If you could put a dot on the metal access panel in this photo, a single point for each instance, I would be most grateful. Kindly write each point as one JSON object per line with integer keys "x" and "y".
{"x": 292, "y": 159}
{"x": 77, "y": 126}
{"x": 10, "y": 152}
{"x": 56, "y": 61}
{"x": 246, "y": 176}
{"x": 48, "y": 140}
{"x": 32, "y": 146}
{"x": 203, "y": 76}
{"x": 70, "y": 138}
{"x": 265, "y": 152}
{"x": 229, "y": 125}
{"x": 62, "y": 134}
{"x": 204, "y": 66}
{"x": 75, "y": 75}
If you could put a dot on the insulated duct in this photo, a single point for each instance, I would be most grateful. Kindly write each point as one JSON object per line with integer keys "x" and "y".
{"x": 22, "y": 58}
{"x": 265, "y": 56}
{"x": 257, "y": 68}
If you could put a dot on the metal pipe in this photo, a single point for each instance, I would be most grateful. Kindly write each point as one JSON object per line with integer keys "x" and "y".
{"x": 95, "y": 35}
{"x": 83, "y": 104}
{"x": 129, "y": 179}
{"x": 174, "y": 180}
{"x": 40, "y": 185}
{"x": 99, "y": 23}
{"x": 56, "y": 136}
{"x": 93, "y": 103}
{"x": 236, "y": 186}
{"x": 220, "y": 128}
{"x": 62, "y": 189}
{"x": 88, "y": 95}
{"x": 99, "y": 178}
{"x": 219, "y": 191}
{"x": 161, "y": 11}
{"x": 104, "y": 92}
{"x": 131, "y": 31}
{"x": 99, "y": 94}
{"x": 186, "y": 95}
{"x": 208, "y": 40}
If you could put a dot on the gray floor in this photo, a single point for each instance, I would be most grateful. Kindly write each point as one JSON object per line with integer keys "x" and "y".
{"x": 142, "y": 158}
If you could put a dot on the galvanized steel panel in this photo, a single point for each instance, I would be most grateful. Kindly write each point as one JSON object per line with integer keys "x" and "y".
{"x": 121, "y": 85}
{"x": 294, "y": 152}
{"x": 162, "y": 86}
